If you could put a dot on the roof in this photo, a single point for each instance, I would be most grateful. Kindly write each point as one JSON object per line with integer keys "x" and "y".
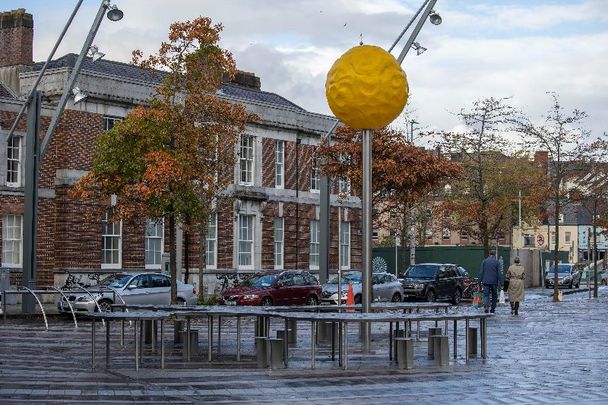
{"x": 574, "y": 214}
{"x": 128, "y": 71}
{"x": 5, "y": 92}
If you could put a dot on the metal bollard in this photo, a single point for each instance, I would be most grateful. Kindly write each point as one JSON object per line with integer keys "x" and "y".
{"x": 441, "y": 350}
{"x": 292, "y": 332}
{"x": 178, "y": 328}
{"x": 193, "y": 342}
{"x": 276, "y": 353}
{"x": 405, "y": 352}
{"x": 261, "y": 351}
{"x": 472, "y": 340}
{"x": 397, "y": 334}
{"x": 432, "y": 333}
{"x": 281, "y": 335}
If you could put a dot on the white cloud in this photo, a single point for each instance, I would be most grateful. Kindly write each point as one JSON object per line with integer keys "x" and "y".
{"x": 521, "y": 49}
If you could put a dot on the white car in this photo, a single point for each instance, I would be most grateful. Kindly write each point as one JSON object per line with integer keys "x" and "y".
{"x": 385, "y": 287}
{"x": 134, "y": 288}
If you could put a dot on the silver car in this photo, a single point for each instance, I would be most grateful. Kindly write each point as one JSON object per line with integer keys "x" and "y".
{"x": 134, "y": 288}
{"x": 385, "y": 287}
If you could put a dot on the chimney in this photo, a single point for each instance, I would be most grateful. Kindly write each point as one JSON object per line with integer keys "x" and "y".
{"x": 247, "y": 79}
{"x": 16, "y": 38}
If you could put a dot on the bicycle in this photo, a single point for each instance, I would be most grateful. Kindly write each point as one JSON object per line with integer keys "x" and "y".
{"x": 71, "y": 282}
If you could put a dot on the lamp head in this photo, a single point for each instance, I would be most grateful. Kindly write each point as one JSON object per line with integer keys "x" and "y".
{"x": 95, "y": 54}
{"x": 435, "y": 18}
{"x": 79, "y": 95}
{"x": 114, "y": 14}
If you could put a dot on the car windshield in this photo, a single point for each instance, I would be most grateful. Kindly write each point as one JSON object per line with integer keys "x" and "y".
{"x": 264, "y": 281}
{"x": 422, "y": 271}
{"x": 354, "y": 277}
{"x": 561, "y": 268}
{"x": 115, "y": 281}
{"x": 249, "y": 282}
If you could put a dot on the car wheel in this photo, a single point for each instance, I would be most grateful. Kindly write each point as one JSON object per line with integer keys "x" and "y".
{"x": 357, "y": 299}
{"x": 312, "y": 300}
{"x": 105, "y": 306}
{"x": 430, "y": 296}
{"x": 457, "y": 297}
{"x": 181, "y": 301}
{"x": 266, "y": 302}
{"x": 396, "y": 297}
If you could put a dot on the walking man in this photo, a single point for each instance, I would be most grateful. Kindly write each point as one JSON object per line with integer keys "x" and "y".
{"x": 490, "y": 278}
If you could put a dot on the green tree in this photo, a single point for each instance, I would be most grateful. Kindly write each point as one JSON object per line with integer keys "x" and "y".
{"x": 173, "y": 158}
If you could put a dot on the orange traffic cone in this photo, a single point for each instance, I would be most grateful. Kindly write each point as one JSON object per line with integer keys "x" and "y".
{"x": 350, "y": 296}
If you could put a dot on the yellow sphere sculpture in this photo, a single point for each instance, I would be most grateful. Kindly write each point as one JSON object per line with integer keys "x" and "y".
{"x": 366, "y": 88}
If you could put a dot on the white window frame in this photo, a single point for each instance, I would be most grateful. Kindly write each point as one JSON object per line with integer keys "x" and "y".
{"x": 106, "y": 235}
{"x": 156, "y": 224}
{"x": 279, "y": 164}
{"x": 211, "y": 242}
{"x": 279, "y": 242}
{"x": 246, "y": 160}
{"x": 107, "y": 119}
{"x": 345, "y": 245}
{"x": 245, "y": 246}
{"x": 313, "y": 254}
{"x": 10, "y": 150}
{"x": 315, "y": 178}
{"x": 12, "y": 240}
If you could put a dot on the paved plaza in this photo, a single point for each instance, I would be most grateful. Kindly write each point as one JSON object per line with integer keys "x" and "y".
{"x": 551, "y": 353}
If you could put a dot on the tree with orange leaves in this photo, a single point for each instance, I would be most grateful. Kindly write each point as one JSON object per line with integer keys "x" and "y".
{"x": 403, "y": 174}
{"x": 173, "y": 158}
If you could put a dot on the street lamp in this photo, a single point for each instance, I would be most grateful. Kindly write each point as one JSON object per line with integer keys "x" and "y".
{"x": 95, "y": 54}
{"x": 418, "y": 48}
{"x": 115, "y": 14}
{"x": 35, "y": 152}
{"x": 435, "y": 18}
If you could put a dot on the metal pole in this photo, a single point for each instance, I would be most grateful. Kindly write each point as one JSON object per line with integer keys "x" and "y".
{"x": 407, "y": 26}
{"x": 32, "y": 161}
{"x": 324, "y": 208}
{"x": 413, "y": 236}
{"x": 366, "y": 254}
{"x": 75, "y": 71}
{"x": 521, "y": 242}
{"x": 594, "y": 249}
{"x": 41, "y": 73}
{"x": 417, "y": 29}
{"x": 339, "y": 256}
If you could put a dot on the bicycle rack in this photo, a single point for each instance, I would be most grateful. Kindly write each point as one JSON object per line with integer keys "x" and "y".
{"x": 46, "y": 323}
{"x": 69, "y": 304}
{"x": 94, "y": 300}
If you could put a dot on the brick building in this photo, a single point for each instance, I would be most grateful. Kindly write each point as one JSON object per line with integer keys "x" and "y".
{"x": 272, "y": 222}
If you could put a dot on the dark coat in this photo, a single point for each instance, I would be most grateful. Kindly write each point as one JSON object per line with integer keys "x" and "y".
{"x": 490, "y": 271}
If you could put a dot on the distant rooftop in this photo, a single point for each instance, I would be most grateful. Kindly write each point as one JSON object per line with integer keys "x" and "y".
{"x": 245, "y": 86}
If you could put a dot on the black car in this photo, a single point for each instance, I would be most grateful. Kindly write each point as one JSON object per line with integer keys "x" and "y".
{"x": 433, "y": 281}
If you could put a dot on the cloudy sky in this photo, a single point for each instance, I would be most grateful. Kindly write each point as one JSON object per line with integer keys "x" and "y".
{"x": 501, "y": 48}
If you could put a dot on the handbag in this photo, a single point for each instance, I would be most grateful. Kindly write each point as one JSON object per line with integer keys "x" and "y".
{"x": 505, "y": 286}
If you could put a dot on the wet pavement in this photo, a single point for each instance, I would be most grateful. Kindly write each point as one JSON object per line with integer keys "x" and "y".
{"x": 550, "y": 353}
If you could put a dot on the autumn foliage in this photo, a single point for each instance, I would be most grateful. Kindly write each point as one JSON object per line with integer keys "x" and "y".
{"x": 401, "y": 172}
{"x": 172, "y": 158}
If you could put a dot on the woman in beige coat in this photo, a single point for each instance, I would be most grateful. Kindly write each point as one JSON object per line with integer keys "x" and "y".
{"x": 516, "y": 277}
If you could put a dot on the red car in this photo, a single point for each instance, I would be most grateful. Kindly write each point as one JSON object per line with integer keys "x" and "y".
{"x": 291, "y": 287}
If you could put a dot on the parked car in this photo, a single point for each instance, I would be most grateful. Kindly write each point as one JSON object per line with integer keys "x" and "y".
{"x": 291, "y": 287}
{"x": 568, "y": 275}
{"x": 433, "y": 281}
{"x": 134, "y": 288}
{"x": 385, "y": 287}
